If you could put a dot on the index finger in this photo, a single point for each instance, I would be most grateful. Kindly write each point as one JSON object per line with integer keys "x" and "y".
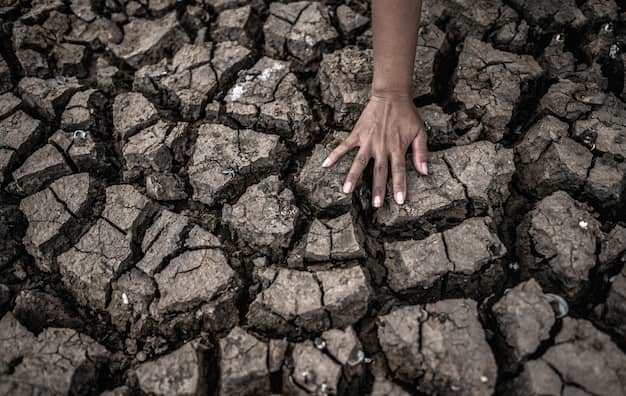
{"x": 339, "y": 151}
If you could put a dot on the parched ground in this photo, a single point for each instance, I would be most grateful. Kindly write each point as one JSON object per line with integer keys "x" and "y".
{"x": 166, "y": 227}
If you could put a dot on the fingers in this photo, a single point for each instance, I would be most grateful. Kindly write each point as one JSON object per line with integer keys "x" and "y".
{"x": 420, "y": 154}
{"x": 339, "y": 151}
{"x": 398, "y": 174}
{"x": 380, "y": 180}
{"x": 358, "y": 165}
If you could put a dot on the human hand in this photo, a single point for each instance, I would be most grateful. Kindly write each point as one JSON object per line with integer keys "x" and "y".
{"x": 388, "y": 125}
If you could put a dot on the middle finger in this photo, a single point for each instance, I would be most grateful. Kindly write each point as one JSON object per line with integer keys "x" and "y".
{"x": 380, "y": 179}
{"x": 358, "y": 165}
{"x": 398, "y": 174}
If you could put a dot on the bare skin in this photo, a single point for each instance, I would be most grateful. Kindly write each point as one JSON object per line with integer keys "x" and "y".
{"x": 390, "y": 124}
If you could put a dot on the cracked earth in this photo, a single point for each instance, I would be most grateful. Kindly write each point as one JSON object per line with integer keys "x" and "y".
{"x": 166, "y": 227}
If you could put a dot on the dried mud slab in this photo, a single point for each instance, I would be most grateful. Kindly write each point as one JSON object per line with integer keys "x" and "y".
{"x": 557, "y": 245}
{"x": 19, "y": 133}
{"x": 131, "y": 295}
{"x": 611, "y": 255}
{"x": 195, "y": 277}
{"x": 57, "y": 361}
{"x": 105, "y": 250}
{"x": 41, "y": 308}
{"x": 614, "y": 308}
{"x": 192, "y": 76}
{"x": 411, "y": 339}
{"x": 16, "y": 342}
{"x": 181, "y": 372}
{"x": 550, "y": 160}
{"x": 224, "y": 159}
{"x": 264, "y": 218}
{"x": 48, "y": 96}
{"x": 146, "y": 41}
{"x": 335, "y": 239}
{"x": 243, "y": 364}
{"x": 131, "y": 113}
{"x": 350, "y": 21}
{"x": 556, "y": 60}
{"x": 155, "y": 149}
{"x": 299, "y": 31}
{"x": 605, "y": 128}
{"x": 570, "y": 99}
{"x": 313, "y": 370}
{"x": 489, "y": 84}
{"x": 294, "y": 301}
{"x": 344, "y": 77}
{"x": 322, "y": 187}
{"x": 475, "y": 176}
{"x": 238, "y": 24}
{"x": 83, "y": 111}
{"x": 164, "y": 238}
{"x": 166, "y": 187}
{"x": 8, "y": 104}
{"x": 44, "y": 166}
{"x": 182, "y": 270}
{"x": 385, "y": 387}
{"x": 582, "y": 361}
{"x": 268, "y": 97}
{"x": 477, "y": 18}
{"x": 467, "y": 256}
{"x": 97, "y": 34}
{"x": 55, "y": 217}
{"x": 551, "y": 16}
{"x": 524, "y": 318}
{"x": 5, "y": 76}
{"x": 89, "y": 268}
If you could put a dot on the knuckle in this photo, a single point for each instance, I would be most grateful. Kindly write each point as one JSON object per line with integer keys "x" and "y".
{"x": 361, "y": 159}
{"x": 380, "y": 169}
{"x": 398, "y": 147}
{"x": 379, "y": 190}
{"x": 393, "y": 145}
{"x": 406, "y": 140}
{"x": 398, "y": 168}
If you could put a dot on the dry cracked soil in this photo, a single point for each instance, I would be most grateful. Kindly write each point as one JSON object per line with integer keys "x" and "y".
{"x": 166, "y": 227}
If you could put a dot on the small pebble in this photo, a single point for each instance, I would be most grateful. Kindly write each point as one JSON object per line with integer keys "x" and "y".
{"x": 319, "y": 343}
{"x": 559, "y": 305}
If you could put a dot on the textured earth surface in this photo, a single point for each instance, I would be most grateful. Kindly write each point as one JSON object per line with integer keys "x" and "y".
{"x": 166, "y": 227}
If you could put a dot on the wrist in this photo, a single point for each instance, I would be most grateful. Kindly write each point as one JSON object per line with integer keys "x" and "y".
{"x": 386, "y": 89}
{"x": 387, "y": 95}
{"x": 390, "y": 93}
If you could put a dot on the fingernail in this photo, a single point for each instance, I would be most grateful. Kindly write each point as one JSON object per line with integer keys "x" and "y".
{"x": 400, "y": 197}
{"x": 347, "y": 187}
{"x": 424, "y": 168}
{"x": 377, "y": 201}
{"x": 326, "y": 163}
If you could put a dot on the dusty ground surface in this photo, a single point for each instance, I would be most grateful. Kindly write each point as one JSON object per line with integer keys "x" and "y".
{"x": 166, "y": 227}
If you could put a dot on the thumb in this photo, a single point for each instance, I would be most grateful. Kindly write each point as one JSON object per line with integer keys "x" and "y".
{"x": 420, "y": 154}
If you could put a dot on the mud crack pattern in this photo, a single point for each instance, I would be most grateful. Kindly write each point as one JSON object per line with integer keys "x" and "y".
{"x": 166, "y": 227}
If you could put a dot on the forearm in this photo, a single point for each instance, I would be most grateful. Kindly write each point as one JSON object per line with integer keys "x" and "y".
{"x": 395, "y": 27}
